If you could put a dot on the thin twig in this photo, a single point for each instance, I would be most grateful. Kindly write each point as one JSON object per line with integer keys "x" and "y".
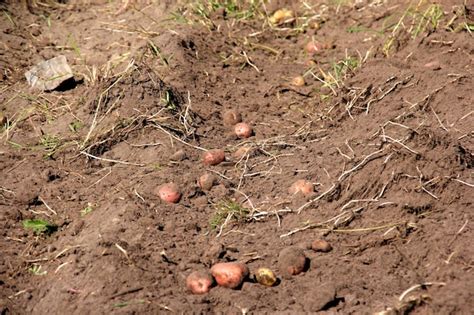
{"x": 180, "y": 140}
{"x": 46, "y": 205}
{"x": 110, "y": 160}
{"x": 316, "y": 199}
{"x": 416, "y": 286}
{"x": 362, "y": 163}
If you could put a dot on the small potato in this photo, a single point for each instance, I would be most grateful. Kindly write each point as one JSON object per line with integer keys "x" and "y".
{"x": 321, "y": 246}
{"x": 206, "y": 181}
{"x": 230, "y": 274}
{"x": 265, "y": 277}
{"x": 213, "y": 157}
{"x": 301, "y": 186}
{"x": 314, "y": 47}
{"x": 169, "y": 193}
{"x": 243, "y": 130}
{"x": 298, "y": 81}
{"x": 291, "y": 261}
{"x": 281, "y": 16}
{"x": 231, "y": 117}
{"x": 199, "y": 282}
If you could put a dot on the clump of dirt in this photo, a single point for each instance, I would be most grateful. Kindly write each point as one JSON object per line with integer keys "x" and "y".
{"x": 380, "y": 126}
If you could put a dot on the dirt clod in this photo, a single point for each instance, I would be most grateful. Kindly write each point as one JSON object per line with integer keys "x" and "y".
{"x": 292, "y": 261}
{"x": 207, "y": 181}
{"x": 179, "y": 155}
{"x": 231, "y": 117}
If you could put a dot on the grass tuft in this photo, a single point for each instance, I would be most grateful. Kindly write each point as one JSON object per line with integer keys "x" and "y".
{"x": 228, "y": 210}
{"x": 40, "y": 226}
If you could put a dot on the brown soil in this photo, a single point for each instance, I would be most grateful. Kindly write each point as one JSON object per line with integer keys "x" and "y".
{"x": 388, "y": 145}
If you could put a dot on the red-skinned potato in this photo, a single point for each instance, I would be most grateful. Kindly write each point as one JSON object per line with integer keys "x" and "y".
{"x": 169, "y": 193}
{"x": 314, "y": 47}
{"x": 230, "y": 274}
{"x": 243, "y": 130}
{"x": 213, "y": 157}
{"x": 301, "y": 186}
{"x": 199, "y": 282}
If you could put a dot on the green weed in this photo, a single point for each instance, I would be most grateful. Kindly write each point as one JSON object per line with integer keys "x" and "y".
{"x": 201, "y": 11}
{"x": 40, "y": 226}
{"x": 429, "y": 19}
{"x": 167, "y": 101}
{"x": 36, "y": 270}
{"x": 75, "y": 126}
{"x": 228, "y": 210}
{"x": 157, "y": 53}
{"x": 127, "y": 303}
{"x": 342, "y": 67}
{"x": 50, "y": 144}
{"x": 87, "y": 209}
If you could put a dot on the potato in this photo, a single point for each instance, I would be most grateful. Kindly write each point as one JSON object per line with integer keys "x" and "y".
{"x": 313, "y": 47}
{"x": 298, "y": 81}
{"x": 265, "y": 277}
{"x": 230, "y": 274}
{"x": 291, "y": 261}
{"x": 243, "y": 130}
{"x": 321, "y": 246}
{"x": 206, "y": 181}
{"x": 301, "y": 186}
{"x": 281, "y": 16}
{"x": 231, "y": 117}
{"x": 213, "y": 157}
{"x": 169, "y": 193}
{"x": 199, "y": 282}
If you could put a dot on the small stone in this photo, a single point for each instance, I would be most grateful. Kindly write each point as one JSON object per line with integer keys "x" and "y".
{"x": 200, "y": 201}
{"x": 179, "y": 155}
{"x": 207, "y": 181}
{"x": 433, "y": 65}
{"x": 49, "y": 74}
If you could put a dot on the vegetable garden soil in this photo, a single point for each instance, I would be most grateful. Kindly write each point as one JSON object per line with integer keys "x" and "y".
{"x": 382, "y": 127}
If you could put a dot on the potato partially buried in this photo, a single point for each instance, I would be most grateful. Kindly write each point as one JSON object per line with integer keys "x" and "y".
{"x": 199, "y": 282}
